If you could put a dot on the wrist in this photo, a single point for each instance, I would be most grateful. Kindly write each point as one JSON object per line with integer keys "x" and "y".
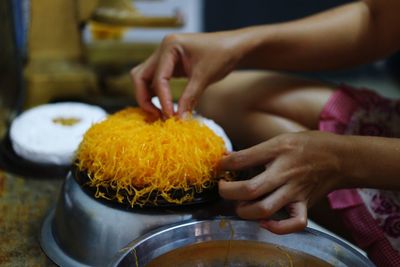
{"x": 350, "y": 171}
{"x": 370, "y": 162}
{"x": 248, "y": 42}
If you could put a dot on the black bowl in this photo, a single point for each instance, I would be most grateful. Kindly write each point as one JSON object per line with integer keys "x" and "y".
{"x": 153, "y": 200}
{"x": 13, "y": 163}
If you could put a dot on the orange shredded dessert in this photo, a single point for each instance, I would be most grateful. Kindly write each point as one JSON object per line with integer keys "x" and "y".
{"x": 134, "y": 158}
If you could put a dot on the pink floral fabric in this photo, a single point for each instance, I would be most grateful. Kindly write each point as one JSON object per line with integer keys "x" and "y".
{"x": 371, "y": 215}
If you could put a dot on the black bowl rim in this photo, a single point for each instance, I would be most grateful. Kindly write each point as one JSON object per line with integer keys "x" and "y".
{"x": 14, "y": 163}
{"x": 208, "y": 195}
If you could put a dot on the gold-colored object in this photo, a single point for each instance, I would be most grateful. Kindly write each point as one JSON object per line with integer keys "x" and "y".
{"x": 66, "y": 121}
{"x": 122, "y": 13}
{"x": 55, "y": 54}
{"x": 102, "y": 31}
{"x": 112, "y": 54}
{"x": 57, "y": 64}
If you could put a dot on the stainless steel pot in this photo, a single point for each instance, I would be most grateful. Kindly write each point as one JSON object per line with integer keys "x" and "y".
{"x": 83, "y": 231}
{"x": 169, "y": 244}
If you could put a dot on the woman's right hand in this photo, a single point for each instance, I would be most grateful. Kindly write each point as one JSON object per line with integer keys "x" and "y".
{"x": 203, "y": 58}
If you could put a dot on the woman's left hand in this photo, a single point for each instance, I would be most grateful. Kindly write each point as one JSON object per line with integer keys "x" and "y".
{"x": 300, "y": 168}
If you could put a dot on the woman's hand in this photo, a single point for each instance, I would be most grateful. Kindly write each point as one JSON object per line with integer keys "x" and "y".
{"x": 203, "y": 58}
{"x": 300, "y": 168}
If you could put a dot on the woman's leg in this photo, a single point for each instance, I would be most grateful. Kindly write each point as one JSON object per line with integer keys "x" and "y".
{"x": 254, "y": 106}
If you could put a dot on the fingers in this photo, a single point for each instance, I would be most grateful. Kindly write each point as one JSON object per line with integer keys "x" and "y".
{"x": 155, "y": 74}
{"x": 297, "y": 221}
{"x": 256, "y": 155}
{"x": 271, "y": 204}
{"x": 189, "y": 97}
{"x": 141, "y": 77}
{"x": 165, "y": 70}
{"x": 250, "y": 189}
{"x": 174, "y": 57}
{"x": 264, "y": 208}
{"x": 144, "y": 100}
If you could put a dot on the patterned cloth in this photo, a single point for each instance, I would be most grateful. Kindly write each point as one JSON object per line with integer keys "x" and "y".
{"x": 372, "y": 216}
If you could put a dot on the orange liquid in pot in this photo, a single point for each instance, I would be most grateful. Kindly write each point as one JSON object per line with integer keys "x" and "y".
{"x": 236, "y": 253}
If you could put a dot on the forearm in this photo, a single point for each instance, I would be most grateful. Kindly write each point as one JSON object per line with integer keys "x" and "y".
{"x": 370, "y": 162}
{"x": 352, "y": 34}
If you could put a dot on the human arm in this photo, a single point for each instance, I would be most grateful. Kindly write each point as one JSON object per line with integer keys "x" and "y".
{"x": 303, "y": 167}
{"x": 351, "y": 34}
{"x": 347, "y": 35}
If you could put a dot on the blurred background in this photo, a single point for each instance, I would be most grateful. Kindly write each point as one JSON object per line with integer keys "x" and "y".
{"x": 83, "y": 49}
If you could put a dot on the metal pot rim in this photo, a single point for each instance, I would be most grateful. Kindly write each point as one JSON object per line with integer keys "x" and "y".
{"x": 309, "y": 232}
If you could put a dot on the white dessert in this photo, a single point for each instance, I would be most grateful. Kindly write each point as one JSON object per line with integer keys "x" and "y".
{"x": 51, "y": 133}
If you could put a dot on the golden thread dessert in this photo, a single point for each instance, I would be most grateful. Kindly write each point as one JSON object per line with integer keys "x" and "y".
{"x": 127, "y": 158}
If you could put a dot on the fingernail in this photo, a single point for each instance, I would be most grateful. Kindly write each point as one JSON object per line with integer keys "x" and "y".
{"x": 186, "y": 115}
{"x": 165, "y": 116}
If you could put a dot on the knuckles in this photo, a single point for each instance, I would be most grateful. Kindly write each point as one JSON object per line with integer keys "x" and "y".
{"x": 171, "y": 39}
{"x": 135, "y": 73}
{"x": 288, "y": 140}
{"x": 265, "y": 210}
{"x": 251, "y": 189}
{"x": 159, "y": 82}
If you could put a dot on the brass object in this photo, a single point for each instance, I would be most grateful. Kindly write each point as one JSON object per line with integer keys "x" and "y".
{"x": 55, "y": 54}
{"x": 60, "y": 66}
{"x": 112, "y": 54}
{"x": 122, "y": 13}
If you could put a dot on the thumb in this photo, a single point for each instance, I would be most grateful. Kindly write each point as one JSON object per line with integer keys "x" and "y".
{"x": 190, "y": 95}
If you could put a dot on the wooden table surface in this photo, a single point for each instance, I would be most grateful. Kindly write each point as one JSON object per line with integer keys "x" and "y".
{"x": 24, "y": 203}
